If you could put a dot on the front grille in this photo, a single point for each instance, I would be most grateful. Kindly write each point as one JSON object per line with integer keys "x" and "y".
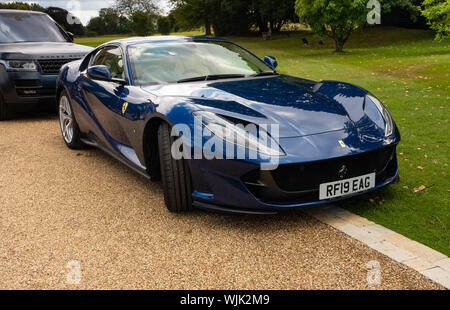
{"x": 299, "y": 183}
{"x": 52, "y": 66}
{"x": 27, "y": 83}
{"x": 308, "y": 176}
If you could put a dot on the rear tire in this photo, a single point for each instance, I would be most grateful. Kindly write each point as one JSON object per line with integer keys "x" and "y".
{"x": 69, "y": 127}
{"x": 4, "y": 112}
{"x": 176, "y": 177}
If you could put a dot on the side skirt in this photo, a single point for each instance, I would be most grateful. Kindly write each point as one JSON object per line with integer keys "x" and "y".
{"x": 107, "y": 151}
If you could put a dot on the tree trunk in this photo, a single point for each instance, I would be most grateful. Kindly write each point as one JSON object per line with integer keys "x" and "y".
{"x": 262, "y": 23}
{"x": 271, "y": 26}
{"x": 338, "y": 45}
{"x": 207, "y": 27}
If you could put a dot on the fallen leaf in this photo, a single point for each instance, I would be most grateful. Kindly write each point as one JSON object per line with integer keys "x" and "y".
{"x": 419, "y": 189}
{"x": 406, "y": 187}
{"x": 420, "y": 167}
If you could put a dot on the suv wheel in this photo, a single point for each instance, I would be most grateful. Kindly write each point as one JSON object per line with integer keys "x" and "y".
{"x": 4, "y": 113}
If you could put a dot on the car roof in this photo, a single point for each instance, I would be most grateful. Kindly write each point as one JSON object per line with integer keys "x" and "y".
{"x": 163, "y": 39}
{"x": 7, "y": 11}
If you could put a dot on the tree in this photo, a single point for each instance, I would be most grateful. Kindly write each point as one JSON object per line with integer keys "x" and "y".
{"x": 402, "y": 13}
{"x": 232, "y": 17}
{"x": 437, "y": 12}
{"x": 194, "y": 13}
{"x": 408, "y": 5}
{"x": 336, "y": 19}
{"x": 96, "y": 25}
{"x": 269, "y": 14}
{"x": 173, "y": 22}
{"x": 140, "y": 23}
{"x": 129, "y": 7}
{"x": 109, "y": 21}
{"x": 163, "y": 24}
{"x": 22, "y": 6}
{"x": 226, "y": 17}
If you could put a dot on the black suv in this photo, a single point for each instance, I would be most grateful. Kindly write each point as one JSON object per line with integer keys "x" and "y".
{"x": 33, "y": 47}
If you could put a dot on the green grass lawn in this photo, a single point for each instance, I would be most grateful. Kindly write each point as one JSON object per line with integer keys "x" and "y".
{"x": 409, "y": 72}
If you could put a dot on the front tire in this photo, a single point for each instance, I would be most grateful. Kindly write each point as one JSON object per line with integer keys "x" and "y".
{"x": 176, "y": 177}
{"x": 69, "y": 127}
{"x": 4, "y": 111}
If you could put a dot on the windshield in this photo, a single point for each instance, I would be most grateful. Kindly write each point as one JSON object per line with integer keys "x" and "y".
{"x": 23, "y": 27}
{"x": 156, "y": 63}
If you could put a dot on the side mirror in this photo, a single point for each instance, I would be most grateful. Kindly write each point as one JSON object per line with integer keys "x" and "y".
{"x": 271, "y": 61}
{"x": 102, "y": 73}
{"x": 70, "y": 35}
{"x": 99, "y": 73}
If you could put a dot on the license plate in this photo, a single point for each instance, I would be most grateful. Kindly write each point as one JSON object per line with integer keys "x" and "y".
{"x": 347, "y": 187}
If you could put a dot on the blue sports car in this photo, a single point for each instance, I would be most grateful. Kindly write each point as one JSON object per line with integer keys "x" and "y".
{"x": 222, "y": 129}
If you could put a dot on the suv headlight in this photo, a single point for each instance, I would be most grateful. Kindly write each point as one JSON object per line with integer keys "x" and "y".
{"x": 388, "y": 120}
{"x": 20, "y": 65}
{"x": 238, "y": 135}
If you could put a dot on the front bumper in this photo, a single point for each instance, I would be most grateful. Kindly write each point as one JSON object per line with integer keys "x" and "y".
{"x": 22, "y": 88}
{"x": 238, "y": 186}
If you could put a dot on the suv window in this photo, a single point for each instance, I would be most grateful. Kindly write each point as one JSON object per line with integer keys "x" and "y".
{"x": 111, "y": 57}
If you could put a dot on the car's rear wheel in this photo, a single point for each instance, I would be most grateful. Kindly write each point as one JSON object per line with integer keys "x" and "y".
{"x": 4, "y": 111}
{"x": 176, "y": 177}
{"x": 69, "y": 127}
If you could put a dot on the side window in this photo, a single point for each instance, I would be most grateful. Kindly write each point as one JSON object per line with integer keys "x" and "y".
{"x": 111, "y": 57}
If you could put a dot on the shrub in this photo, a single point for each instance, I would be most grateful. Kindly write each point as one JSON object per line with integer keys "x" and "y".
{"x": 437, "y": 12}
{"x": 163, "y": 25}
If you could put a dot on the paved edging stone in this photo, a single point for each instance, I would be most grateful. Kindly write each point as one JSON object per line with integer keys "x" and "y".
{"x": 431, "y": 263}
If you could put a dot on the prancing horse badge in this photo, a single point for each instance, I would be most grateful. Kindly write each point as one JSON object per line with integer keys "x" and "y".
{"x": 124, "y": 108}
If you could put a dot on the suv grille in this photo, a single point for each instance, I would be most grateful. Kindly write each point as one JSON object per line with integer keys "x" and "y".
{"x": 52, "y": 66}
{"x": 27, "y": 83}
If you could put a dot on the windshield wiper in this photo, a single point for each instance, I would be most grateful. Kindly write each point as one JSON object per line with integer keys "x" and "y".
{"x": 212, "y": 77}
{"x": 264, "y": 74}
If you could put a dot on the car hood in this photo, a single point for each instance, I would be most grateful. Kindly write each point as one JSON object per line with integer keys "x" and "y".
{"x": 287, "y": 101}
{"x": 42, "y": 50}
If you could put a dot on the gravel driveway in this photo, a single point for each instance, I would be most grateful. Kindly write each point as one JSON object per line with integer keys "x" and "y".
{"x": 58, "y": 205}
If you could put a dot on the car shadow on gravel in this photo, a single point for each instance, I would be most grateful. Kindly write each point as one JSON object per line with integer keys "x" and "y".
{"x": 34, "y": 115}
{"x": 208, "y": 217}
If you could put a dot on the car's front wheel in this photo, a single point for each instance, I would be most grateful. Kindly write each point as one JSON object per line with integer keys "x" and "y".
{"x": 176, "y": 177}
{"x": 4, "y": 112}
{"x": 69, "y": 127}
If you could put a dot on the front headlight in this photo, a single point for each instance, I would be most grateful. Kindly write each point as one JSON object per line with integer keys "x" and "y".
{"x": 388, "y": 120}
{"x": 20, "y": 65}
{"x": 238, "y": 135}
